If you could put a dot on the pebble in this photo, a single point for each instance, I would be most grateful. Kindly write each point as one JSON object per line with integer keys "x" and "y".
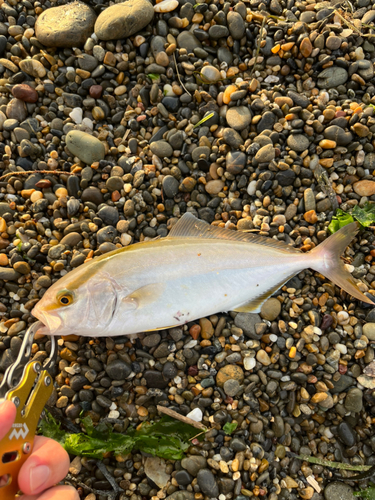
{"x": 298, "y": 142}
{"x": 207, "y": 483}
{"x": 123, "y": 19}
{"x": 118, "y": 370}
{"x": 270, "y": 309}
{"x": 229, "y": 372}
{"x": 66, "y": 25}
{"x": 265, "y": 154}
{"x": 364, "y": 188}
{"x": 161, "y": 149}
{"x": 85, "y": 146}
{"x": 353, "y": 400}
{"x": 25, "y": 93}
{"x": 238, "y": 117}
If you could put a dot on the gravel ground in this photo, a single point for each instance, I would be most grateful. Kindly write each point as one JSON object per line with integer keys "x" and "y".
{"x": 101, "y": 146}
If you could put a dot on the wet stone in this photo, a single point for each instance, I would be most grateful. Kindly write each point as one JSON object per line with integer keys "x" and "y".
{"x": 207, "y": 483}
{"x": 118, "y": 369}
{"x": 346, "y": 434}
{"x": 170, "y": 186}
{"x": 236, "y": 25}
{"x": 155, "y": 379}
{"x": 109, "y": 215}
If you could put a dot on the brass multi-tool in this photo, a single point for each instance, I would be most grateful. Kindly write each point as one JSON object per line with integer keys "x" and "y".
{"x": 28, "y": 384}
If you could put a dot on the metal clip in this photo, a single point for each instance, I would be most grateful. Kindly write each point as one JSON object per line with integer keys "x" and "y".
{"x": 29, "y": 385}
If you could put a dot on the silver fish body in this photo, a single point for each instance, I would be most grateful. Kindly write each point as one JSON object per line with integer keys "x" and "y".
{"x": 196, "y": 271}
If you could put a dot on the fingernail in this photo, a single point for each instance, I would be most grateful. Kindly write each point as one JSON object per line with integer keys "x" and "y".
{"x": 38, "y": 476}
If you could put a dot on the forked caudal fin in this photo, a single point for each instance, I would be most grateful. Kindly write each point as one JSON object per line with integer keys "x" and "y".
{"x": 325, "y": 259}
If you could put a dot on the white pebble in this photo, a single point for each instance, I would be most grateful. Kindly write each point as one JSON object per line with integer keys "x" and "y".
{"x": 167, "y": 91}
{"x": 88, "y": 123}
{"x": 272, "y": 79}
{"x": 342, "y": 348}
{"x": 328, "y": 434}
{"x": 195, "y": 415}
{"x": 125, "y": 239}
{"x": 114, "y": 414}
{"x": 76, "y": 115}
{"x": 166, "y": 6}
{"x": 342, "y": 318}
{"x": 251, "y": 188}
{"x": 249, "y": 363}
{"x": 192, "y": 343}
{"x": 349, "y": 268}
{"x": 177, "y": 380}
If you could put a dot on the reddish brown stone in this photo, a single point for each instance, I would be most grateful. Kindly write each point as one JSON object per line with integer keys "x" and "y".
{"x": 25, "y": 93}
{"x": 306, "y": 47}
{"x": 96, "y": 91}
{"x": 44, "y": 183}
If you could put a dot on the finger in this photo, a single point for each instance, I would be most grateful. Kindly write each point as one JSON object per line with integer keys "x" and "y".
{"x": 47, "y": 465}
{"x": 7, "y": 415}
{"x": 56, "y": 493}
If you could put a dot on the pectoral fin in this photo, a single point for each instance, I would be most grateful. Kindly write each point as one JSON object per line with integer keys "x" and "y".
{"x": 144, "y": 296}
{"x": 255, "y": 305}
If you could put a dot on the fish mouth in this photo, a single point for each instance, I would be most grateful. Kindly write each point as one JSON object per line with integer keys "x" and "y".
{"x": 51, "y": 322}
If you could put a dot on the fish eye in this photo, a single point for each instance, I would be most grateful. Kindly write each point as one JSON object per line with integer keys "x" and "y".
{"x": 65, "y": 299}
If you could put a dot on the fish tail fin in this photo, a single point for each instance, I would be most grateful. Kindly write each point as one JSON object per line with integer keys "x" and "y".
{"x": 325, "y": 259}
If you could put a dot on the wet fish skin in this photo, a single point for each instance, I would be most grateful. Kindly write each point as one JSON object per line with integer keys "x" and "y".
{"x": 196, "y": 271}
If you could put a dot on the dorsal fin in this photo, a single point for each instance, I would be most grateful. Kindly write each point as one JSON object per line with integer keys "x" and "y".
{"x": 191, "y": 227}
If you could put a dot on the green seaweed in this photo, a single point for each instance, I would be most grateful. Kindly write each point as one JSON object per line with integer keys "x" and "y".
{"x": 167, "y": 438}
{"x": 230, "y": 427}
{"x": 366, "y": 494}
{"x": 365, "y": 216}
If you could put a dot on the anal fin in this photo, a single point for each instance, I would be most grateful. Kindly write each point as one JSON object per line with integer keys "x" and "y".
{"x": 255, "y": 305}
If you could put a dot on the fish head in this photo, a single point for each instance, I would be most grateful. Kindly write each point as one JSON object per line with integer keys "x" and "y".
{"x": 83, "y": 305}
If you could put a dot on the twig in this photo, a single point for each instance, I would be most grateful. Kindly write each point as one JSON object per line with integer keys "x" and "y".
{"x": 27, "y": 172}
{"x": 109, "y": 478}
{"x": 110, "y": 494}
{"x": 178, "y": 75}
{"x": 258, "y": 45}
{"x": 197, "y": 435}
{"x": 177, "y": 416}
{"x": 333, "y": 465}
{"x": 351, "y": 26}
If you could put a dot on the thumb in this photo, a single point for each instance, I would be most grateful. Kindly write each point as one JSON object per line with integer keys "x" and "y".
{"x": 7, "y": 416}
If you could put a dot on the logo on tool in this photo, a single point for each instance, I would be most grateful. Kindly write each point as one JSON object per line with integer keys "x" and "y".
{"x": 19, "y": 430}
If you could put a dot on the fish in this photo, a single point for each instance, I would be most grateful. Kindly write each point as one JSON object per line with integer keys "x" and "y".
{"x": 196, "y": 271}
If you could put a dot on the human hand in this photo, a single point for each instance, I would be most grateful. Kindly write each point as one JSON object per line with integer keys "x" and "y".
{"x": 47, "y": 465}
